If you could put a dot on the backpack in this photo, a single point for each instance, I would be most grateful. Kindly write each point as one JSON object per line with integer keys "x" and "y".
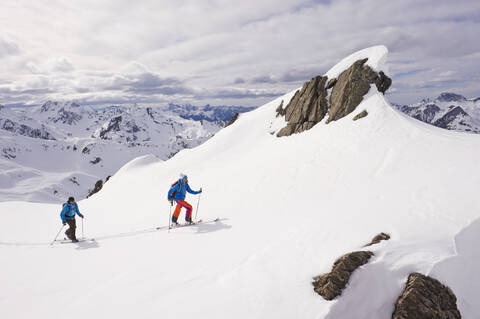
{"x": 63, "y": 206}
{"x": 172, "y": 196}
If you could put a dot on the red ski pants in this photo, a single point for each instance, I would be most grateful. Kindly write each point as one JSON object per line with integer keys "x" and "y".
{"x": 184, "y": 204}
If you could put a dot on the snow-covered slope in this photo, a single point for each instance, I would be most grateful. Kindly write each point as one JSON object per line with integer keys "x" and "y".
{"x": 449, "y": 110}
{"x": 289, "y": 207}
{"x": 56, "y": 149}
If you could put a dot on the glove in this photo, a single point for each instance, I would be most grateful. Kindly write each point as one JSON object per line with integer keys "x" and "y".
{"x": 171, "y": 201}
{"x": 64, "y": 223}
{"x": 200, "y": 191}
{"x": 82, "y": 217}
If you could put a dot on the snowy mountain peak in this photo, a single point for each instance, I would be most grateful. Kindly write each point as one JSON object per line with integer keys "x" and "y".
{"x": 449, "y": 111}
{"x": 450, "y": 97}
{"x": 89, "y": 143}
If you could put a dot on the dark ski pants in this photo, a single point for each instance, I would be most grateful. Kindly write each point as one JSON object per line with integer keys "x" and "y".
{"x": 72, "y": 225}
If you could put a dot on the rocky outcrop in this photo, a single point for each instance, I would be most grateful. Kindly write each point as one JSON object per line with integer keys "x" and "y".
{"x": 25, "y": 130}
{"x": 360, "y": 115}
{"x": 232, "y": 120}
{"x": 378, "y": 238}
{"x": 331, "y": 285}
{"x": 350, "y": 87}
{"x": 280, "y": 110}
{"x": 309, "y": 105}
{"x": 427, "y": 298}
{"x": 98, "y": 186}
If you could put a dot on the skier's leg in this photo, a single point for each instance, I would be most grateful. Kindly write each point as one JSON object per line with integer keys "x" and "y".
{"x": 188, "y": 207}
{"x": 176, "y": 213}
{"x": 71, "y": 230}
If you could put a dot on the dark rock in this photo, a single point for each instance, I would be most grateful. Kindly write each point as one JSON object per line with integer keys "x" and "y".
{"x": 98, "y": 186}
{"x": 352, "y": 84}
{"x": 383, "y": 82}
{"x": 450, "y": 116}
{"x": 232, "y": 120}
{"x": 331, "y": 83}
{"x": 427, "y": 298}
{"x": 360, "y": 115}
{"x": 378, "y": 238}
{"x": 74, "y": 180}
{"x": 427, "y": 114}
{"x": 113, "y": 126}
{"x": 67, "y": 117}
{"x": 85, "y": 150}
{"x": 307, "y": 107}
{"x": 280, "y": 110}
{"x": 96, "y": 160}
{"x": 331, "y": 285}
{"x": 25, "y": 130}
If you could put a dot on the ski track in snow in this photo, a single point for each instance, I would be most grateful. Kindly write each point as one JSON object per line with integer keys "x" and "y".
{"x": 291, "y": 206}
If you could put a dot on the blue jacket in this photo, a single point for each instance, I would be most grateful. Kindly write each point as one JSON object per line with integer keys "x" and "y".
{"x": 181, "y": 190}
{"x": 69, "y": 211}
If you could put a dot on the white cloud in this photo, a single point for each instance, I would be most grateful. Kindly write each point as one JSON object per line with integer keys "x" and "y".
{"x": 61, "y": 64}
{"x": 8, "y": 47}
{"x": 162, "y": 51}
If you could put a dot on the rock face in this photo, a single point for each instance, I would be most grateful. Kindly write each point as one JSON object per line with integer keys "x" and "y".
{"x": 360, "y": 115}
{"x": 352, "y": 84}
{"x": 310, "y": 105}
{"x": 307, "y": 107}
{"x": 232, "y": 120}
{"x": 378, "y": 238}
{"x": 98, "y": 186}
{"x": 330, "y": 285}
{"x": 426, "y": 298}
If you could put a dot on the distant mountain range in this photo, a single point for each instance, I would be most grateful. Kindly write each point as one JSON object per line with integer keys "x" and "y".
{"x": 59, "y": 148}
{"x": 449, "y": 111}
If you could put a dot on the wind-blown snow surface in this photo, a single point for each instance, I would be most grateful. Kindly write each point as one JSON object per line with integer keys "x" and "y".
{"x": 289, "y": 207}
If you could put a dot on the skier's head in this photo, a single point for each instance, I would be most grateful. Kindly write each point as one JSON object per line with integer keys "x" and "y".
{"x": 184, "y": 178}
{"x": 71, "y": 200}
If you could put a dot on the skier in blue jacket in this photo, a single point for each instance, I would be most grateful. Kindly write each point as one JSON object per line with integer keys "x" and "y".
{"x": 70, "y": 209}
{"x": 178, "y": 193}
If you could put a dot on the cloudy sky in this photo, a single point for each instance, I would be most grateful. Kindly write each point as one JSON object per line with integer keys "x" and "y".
{"x": 227, "y": 52}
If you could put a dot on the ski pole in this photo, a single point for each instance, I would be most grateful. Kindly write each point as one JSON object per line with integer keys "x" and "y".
{"x": 83, "y": 237}
{"x": 170, "y": 216}
{"x": 57, "y": 235}
{"x": 198, "y": 204}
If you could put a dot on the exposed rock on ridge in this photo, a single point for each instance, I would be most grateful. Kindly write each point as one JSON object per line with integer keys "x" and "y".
{"x": 378, "y": 238}
{"x": 426, "y": 297}
{"x": 309, "y": 105}
{"x": 331, "y": 285}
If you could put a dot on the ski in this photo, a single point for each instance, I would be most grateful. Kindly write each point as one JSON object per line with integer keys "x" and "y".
{"x": 68, "y": 241}
{"x": 200, "y": 221}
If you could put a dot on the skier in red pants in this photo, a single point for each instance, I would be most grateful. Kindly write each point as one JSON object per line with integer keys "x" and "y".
{"x": 178, "y": 192}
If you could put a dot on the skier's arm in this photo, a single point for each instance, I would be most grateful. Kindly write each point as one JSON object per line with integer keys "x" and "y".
{"x": 174, "y": 188}
{"x": 78, "y": 211}
{"x": 62, "y": 214}
{"x": 191, "y": 191}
